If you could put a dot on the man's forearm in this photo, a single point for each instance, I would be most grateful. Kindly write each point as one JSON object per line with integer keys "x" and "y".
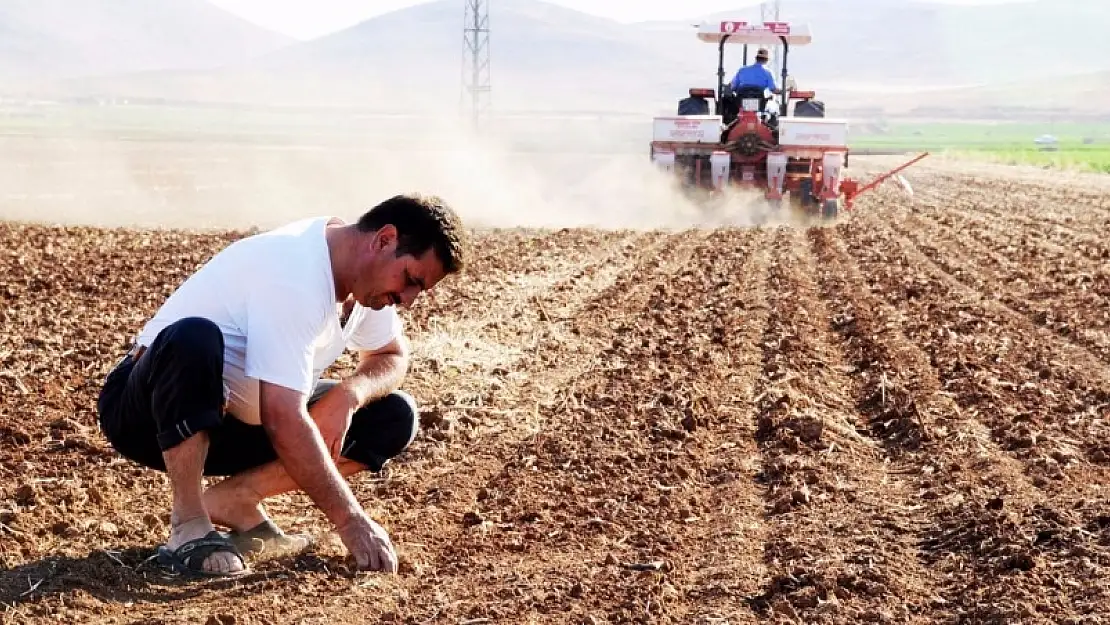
{"x": 375, "y": 377}
{"x": 302, "y": 452}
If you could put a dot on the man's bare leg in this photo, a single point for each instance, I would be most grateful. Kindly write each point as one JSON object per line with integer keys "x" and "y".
{"x": 237, "y": 501}
{"x": 189, "y": 519}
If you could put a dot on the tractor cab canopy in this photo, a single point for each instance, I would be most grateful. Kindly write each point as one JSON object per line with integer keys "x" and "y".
{"x": 765, "y": 34}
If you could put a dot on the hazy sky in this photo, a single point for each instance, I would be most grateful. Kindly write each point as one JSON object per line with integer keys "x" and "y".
{"x": 306, "y": 19}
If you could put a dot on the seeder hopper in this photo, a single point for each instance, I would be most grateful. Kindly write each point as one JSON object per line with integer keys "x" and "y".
{"x": 789, "y": 150}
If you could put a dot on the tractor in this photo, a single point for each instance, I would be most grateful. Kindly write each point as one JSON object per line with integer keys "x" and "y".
{"x": 788, "y": 148}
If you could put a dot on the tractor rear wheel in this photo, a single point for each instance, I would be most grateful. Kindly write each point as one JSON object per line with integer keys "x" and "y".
{"x": 831, "y": 208}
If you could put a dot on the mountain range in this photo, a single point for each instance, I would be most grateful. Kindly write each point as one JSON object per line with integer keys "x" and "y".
{"x": 45, "y": 39}
{"x": 547, "y": 57}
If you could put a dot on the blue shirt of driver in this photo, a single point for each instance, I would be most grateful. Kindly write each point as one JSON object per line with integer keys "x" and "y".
{"x": 754, "y": 75}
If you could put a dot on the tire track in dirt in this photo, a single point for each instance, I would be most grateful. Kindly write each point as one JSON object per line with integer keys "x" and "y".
{"x": 840, "y": 546}
{"x": 725, "y": 506}
{"x": 994, "y": 365}
{"x": 466, "y": 401}
{"x": 1055, "y": 297}
{"x": 631, "y": 489}
{"x": 504, "y": 319}
{"x": 953, "y": 467}
{"x": 520, "y": 263}
{"x": 472, "y": 325}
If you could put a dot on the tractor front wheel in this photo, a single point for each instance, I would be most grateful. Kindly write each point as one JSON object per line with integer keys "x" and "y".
{"x": 831, "y": 208}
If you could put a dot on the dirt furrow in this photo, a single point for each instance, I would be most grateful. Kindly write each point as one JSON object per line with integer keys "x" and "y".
{"x": 1043, "y": 385}
{"x": 521, "y": 264}
{"x": 613, "y": 512}
{"x": 1035, "y": 241}
{"x": 960, "y": 476}
{"x": 1054, "y": 202}
{"x": 1023, "y": 233}
{"x": 725, "y": 504}
{"x": 838, "y": 548}
{"x": 1031, "y": 217}
{"x": 1039, "y": 407}
{"x": 488, "y": 520}
{"x": 1072, "y": 301}
{"x": 482, "y": 347}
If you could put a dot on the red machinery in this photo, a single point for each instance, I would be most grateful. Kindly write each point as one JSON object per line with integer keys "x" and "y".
{"x": 790, "y": 152}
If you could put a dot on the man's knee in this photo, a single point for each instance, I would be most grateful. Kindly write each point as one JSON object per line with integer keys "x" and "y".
{"x": 192, "y": 335}
{"x": 189, "y": 354}
{"x": 382, "y": 430}
{"x": 184, "y": 366}
{"x": 398, "y": 420}
{"x": 407, "y": 415}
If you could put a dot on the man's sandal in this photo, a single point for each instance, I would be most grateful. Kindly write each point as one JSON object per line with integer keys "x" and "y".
{"x": 268, "y": 537}
{"x": 188, "y": 559}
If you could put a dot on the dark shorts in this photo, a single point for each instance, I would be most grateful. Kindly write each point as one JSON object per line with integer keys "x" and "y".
{"x": 175, "y": 389}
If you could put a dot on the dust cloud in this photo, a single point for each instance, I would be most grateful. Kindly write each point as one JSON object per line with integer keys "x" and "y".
{"x": 207, "y": 177}
{"x": 493, "y": 185}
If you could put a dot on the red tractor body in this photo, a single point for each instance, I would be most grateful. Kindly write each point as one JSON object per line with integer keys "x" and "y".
{"x": 788, "y": 151}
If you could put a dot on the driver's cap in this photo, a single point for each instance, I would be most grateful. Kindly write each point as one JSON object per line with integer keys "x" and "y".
{"x": 763, "y": 54}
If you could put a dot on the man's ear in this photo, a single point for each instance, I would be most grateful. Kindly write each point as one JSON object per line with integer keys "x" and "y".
{"x": 386, "y": 237}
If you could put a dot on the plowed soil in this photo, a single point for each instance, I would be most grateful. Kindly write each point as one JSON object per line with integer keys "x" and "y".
{"x": 903, "y": 417}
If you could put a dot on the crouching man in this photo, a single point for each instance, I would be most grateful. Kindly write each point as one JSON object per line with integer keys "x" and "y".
{"x": 225, "y": 379}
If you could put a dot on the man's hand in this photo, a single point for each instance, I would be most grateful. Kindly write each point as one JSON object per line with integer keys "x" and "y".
{"x": 332, "y": 415}
{"x": 369, "y": 543}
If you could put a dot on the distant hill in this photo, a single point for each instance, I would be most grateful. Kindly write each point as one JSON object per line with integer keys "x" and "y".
{"x": 543, "y": 55}
{"x": 546, "y": 57}
{"x": 65, "y": 38}
{"x": 1081, "y": 95}
{"x": 910, "y": 42}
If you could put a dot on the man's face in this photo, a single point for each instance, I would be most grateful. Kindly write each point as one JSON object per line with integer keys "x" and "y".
{"x": 386, "y": 279}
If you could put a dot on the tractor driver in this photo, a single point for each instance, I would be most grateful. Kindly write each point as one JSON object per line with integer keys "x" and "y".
{"x": 755, "y": 75}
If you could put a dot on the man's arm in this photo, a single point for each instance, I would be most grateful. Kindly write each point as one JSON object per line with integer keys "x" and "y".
{"x": 771, "y": 81}
{"x": 303, "y": 453}
{"x": 301, "y": 450}
{"x": 379, "y": 373}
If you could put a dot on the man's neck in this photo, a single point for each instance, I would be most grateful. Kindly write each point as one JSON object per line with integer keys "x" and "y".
{"x": 341, "y": 239}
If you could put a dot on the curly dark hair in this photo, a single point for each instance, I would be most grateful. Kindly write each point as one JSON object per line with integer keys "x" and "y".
{"x": 422, "y": 222}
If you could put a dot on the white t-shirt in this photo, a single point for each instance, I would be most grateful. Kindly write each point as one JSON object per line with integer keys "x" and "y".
{"x": 273, "y": 296}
